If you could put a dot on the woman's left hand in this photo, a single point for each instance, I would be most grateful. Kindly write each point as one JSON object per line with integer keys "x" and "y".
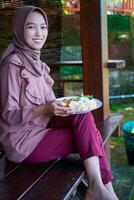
{"x": 61, "y": 109}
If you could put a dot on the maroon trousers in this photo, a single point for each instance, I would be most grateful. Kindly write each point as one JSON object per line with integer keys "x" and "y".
{"x": 71, "y": 134}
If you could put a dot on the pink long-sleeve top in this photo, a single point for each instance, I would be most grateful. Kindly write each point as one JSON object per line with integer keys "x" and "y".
{"x": 20, "y": 129}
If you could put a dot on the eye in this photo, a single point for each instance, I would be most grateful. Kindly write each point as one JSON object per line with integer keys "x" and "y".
{"x": 43, "y": 27}
{"x": 30, "y": 27}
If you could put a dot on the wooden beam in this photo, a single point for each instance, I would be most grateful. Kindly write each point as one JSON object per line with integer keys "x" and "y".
{"x": 116, "y": 64}
{"x": 110, "y": 63}
{"x": 93, "y": 20}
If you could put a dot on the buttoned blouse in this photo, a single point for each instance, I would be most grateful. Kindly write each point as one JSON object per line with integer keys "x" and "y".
{"x": 21, "y": 129}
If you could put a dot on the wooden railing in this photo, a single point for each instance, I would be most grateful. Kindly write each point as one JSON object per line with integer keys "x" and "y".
{"x": 111, "y": 64}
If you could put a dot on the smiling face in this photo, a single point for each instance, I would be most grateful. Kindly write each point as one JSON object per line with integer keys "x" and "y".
{"x": 36, "y": 31}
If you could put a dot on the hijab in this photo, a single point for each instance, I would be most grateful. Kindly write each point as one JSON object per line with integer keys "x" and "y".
{"x": 28, "y": 56}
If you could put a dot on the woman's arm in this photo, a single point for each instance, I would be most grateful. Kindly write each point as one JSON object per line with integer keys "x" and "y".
{"x": 55, "y": 108}
{"x": 10, "y": 89}
{"x": 12, "y": 111}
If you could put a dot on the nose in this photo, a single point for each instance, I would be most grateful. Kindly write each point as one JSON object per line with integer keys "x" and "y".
{"x": 38, "y": 31}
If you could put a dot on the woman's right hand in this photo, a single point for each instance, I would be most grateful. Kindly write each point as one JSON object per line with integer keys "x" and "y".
{"x": 57, "y": 108}
{"x": 51, "y": 109}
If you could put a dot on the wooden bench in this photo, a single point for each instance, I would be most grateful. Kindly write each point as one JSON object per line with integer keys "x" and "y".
{"x": 55, "y": 180}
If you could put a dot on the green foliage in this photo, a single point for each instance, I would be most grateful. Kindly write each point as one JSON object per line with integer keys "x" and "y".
{"x": 119, "y": 29}
{"x": 118, "y": 23}
{"x": 127, "y": 110}
{"x": 74, "y": 72}
{"x": 132, "y": 197}
{"x": 71, "y": 30}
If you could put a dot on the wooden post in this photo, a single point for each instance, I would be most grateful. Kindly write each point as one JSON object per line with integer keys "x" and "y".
{"x": 95, "y": 53}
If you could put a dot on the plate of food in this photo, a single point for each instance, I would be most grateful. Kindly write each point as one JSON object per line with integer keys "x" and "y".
{"x": 81, "y": 104}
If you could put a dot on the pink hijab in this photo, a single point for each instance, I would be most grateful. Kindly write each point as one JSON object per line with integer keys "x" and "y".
{"x": 29, "y": 57}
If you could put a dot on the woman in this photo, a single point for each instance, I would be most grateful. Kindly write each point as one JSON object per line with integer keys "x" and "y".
{"x": 35, "y": 127}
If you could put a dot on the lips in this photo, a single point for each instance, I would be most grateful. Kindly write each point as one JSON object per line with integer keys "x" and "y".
{"x": 37, "y": 40}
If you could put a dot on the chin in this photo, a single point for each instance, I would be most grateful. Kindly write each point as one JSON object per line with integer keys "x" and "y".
{"x": 37, "y": 48}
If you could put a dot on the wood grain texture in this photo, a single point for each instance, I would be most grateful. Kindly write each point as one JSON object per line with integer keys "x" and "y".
{"x": 95, "y": 53}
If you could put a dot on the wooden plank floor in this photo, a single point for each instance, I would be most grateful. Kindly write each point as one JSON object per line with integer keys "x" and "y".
{"x": 20, "y": 179}
{"x": 64, "y": 177}
{"x": 6, "y": 167}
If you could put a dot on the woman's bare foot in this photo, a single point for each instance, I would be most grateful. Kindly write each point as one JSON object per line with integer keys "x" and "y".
{"x": 114, "y": 195}
{"x": 110, "y": 188}
{"x": 90, "y": 196}
{"x": 100, "y": 191}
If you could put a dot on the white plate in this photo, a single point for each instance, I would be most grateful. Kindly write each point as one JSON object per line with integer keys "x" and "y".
{"x": 98, "y": 104}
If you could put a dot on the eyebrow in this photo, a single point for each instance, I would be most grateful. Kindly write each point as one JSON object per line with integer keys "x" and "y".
{"x": 31, "y": 23}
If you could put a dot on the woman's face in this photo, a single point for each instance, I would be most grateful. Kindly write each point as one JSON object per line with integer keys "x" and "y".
{"x": 36, "y": 31}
